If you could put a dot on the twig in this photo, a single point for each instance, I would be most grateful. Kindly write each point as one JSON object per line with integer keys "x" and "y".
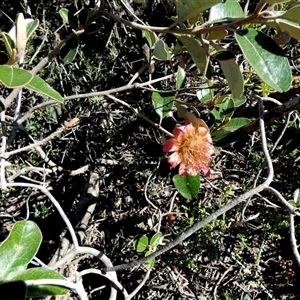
{"x": 293, "y": 239}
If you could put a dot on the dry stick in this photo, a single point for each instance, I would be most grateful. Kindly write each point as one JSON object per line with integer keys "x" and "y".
{"x": 217, "y": 213}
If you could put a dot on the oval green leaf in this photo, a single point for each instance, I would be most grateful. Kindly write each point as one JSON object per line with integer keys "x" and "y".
{"x": 155, "y": 240}
{"x": 14, "y": 77}
{"x": 69, "y": 50}
{"x": 188, "y": 186}
{"x": 150, "y": 263}
{"x": 227, "y": 9}
{"x": 161, "y": 51}
{"x": 19, "y": 248}
{"x": 232, "y": 72}
{"x": 266, "y": 58}
{"x": 41, "y": 290}
{"x": 31, "y": 26}
{"x": 93, "y": 28}
{"x": 38, "y": 85}
{"x": 196, "y": 51}
{"x": 162, "y": 105}
{"x": 140, "y": 243}
{"x": 69, "y": 18}
{"x": 180, "y": 78}
{"x": 235, "y": 124}
{"x": 191, "y": 9}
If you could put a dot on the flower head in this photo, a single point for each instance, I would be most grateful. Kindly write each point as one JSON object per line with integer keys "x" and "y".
{"x": 191, "y": 146}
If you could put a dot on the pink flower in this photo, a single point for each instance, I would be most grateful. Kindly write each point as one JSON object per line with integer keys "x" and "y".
{"x": 191, "y": 146}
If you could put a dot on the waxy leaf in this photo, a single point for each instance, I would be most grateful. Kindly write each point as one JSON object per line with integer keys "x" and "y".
{"x": 232, "y": 72}
{"x": 14, "y": 77}
{"x": 161, "y": 51}
{"x": 290, "y": 26}
{"x": 266, "y": 58}
{"x": 228, "y": 9}
{"x": 69, "y": 18}
{"x": 235, "y": 124}
{"x": 19, "y": 248}
{"x": 140, "y": 243}
{"x": 155, "y": 240}
{"x": 162, "y": 104}
{"x": 150, "y": 263}
{"x": 41, "y": 290}
{"x": 188, "y": 186}
{"x": 196, "y": 51}
{"x": 180, "y": 78}
{"x": 38, "y": 85}
{"x": 69, "y": 50}
{"x": 191, "y": 9}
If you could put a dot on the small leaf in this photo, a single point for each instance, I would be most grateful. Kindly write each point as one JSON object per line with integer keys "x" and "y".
{"x": 229, "y": 9}
{"x": 150, "y": 263}
{"x": 266, "y": 58}
{"x": 19, "y": 248}
{"x": 196, "y": 51}
{"x": 41, "y": 290}
{"x": 239, "y": 101}
{"x": 188, "y": 186}
{"x": 38, "y": 85}
{"x": 9, "y": 43}
{"x": 180, "y": 78}
{"x": 162, "y": 105}
{"x": 161, "y": 51}
{"x": 83, "y": 17}
{"x": 191, "y": 9}
{"x": 151, "y": 38}
{"x": 155, "y": 240}
{"x": 297, "y": 196}
{"x": 235, "y": 124}
{"x": 21, "y": 37}
{"x": 31, "y": 26}
{"x": 140, "y": 243}
{"x": 69, "y": 50}
{"x": 204, "y": 94}
{"x": 286, "y": 25}
{"x": 232, "y": 72}
{"x": 14, "y": 77}
{"x": 69, "y": 18}
{"x": 93, "y": 28}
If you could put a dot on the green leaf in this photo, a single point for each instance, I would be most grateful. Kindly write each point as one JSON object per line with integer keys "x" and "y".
{"x": 150, "y": 263}
{"x": 14, "y": 77}
{"x": 239, "y": 101}
{"x": 226, "y": 108}
{"x": 204, "y": 94}
{"x": 38, "y": 85}
{"x": 232, "y": 72}
{"x": 297, "y": 196}
{"x": 13, "y": 290}
{"x": 19, "y": 248}
{"x": 180, "y": 78}
{"x": 31, "y": 26}
{"x": 151, "y": 38}
{"x": 229, "y": 9}
{"x": 292, "y": 14}
{"x": 69, "y": 50}
{"x": 266, "y": 58}
{"x": 191, "y": 9}
{"x": 196, "y": 51}
{"x": 83, "y": 17}
{"x": 155, "y": 240}
{"x": 140, "y": 243}
{"x": 162, "y": 105}
{"x": 292, "y": 27}
{"x": 8, "y": 42}
{"x": 235, "y": 124}
{"x": 69, "y": 18}
{"x": 93, "y": 28}
{"x": 41, "y": 290}
{"x": 188, "y": 186}
{"x": 161, "y": 51}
